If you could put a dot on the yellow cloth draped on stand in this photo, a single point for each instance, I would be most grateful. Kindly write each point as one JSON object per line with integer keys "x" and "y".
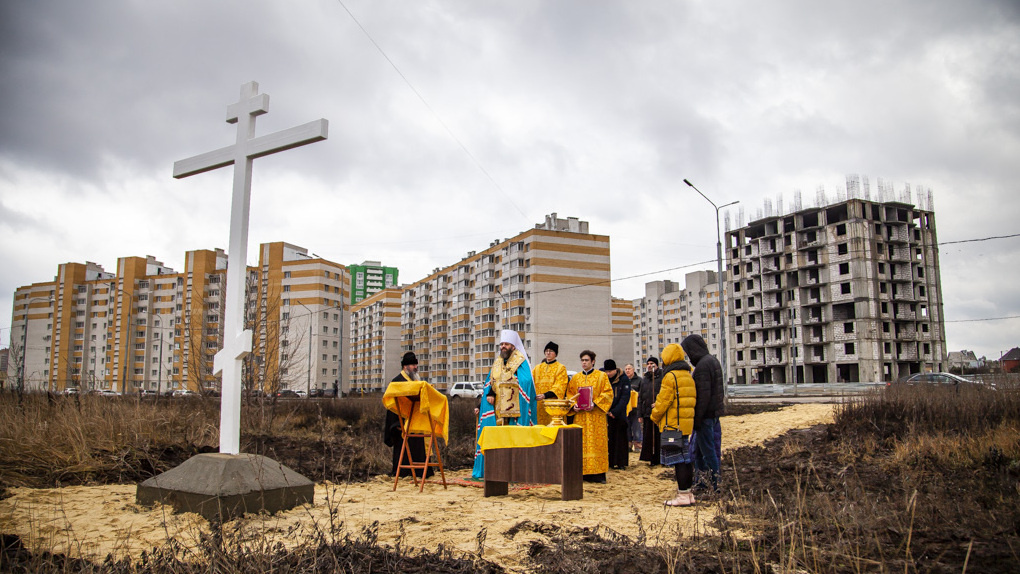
{"x": 397, "y": 398}
{"x": 518, "y": 436}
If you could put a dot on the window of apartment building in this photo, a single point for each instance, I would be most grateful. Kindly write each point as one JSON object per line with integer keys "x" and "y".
{"x": 325, "y": 343}
{"x": 752, "y": 337}
{"x": 740, "y": 355}
{"x": 739, "y": 321}
{"x": 881, "y": 268}
{"x": 920, "y": 272}
{"x": 844, "y": 268}
{"x": 882, "y": 288}
{"x": 754, "y": 355}
{"x": 841, "y": 229}
{"x": 848, "y": 327}
{"x": 920, "y": 290}
{"x": 927, "y": 349}
{"x": 334, "y": 344}
{"x": 842, "y": 249}
{"x": 736, "y": 286}
{"x": 286, "y": 302}
{"x": 924, "y": 327}
{"x": 848, "y": 348}
{"x": 736, "y": 304}
{"x": 844, "y": 288}
{"x": 887, "y": 347}
{"x": 740, "y": 338}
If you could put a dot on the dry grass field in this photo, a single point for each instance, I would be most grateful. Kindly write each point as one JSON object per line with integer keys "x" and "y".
{"x": 907, "y": 480}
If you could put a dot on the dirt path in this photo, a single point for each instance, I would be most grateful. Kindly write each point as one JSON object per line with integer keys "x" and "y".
{"x": 95, "y": 521}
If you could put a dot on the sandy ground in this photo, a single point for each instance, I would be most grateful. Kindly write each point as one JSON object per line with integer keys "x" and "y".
{"x": 96, "y": 521}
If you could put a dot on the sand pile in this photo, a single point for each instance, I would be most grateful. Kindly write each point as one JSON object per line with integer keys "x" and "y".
{"x": 96, "y": 521}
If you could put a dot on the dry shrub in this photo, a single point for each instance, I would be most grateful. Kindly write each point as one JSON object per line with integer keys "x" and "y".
{"x": 49, "y": 440}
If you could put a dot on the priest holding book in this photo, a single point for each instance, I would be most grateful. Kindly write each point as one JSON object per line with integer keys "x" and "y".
{"x": 594, "y": 396}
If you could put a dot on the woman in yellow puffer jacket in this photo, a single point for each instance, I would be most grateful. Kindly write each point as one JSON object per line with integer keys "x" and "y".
{"x": 674, "y": 409}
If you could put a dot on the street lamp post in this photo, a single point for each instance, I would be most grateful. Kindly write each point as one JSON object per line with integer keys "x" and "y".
{"x": 719, "y": 278}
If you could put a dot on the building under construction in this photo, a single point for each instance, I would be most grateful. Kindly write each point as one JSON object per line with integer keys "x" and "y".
{"x": 838, "y": 293}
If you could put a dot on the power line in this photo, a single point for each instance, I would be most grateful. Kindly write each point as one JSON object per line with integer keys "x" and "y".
{"x": 981, "y": 239}
{"x": 478, "y": 164}
{"x": 608, "y": 281}
{"x": 985, "y": 319}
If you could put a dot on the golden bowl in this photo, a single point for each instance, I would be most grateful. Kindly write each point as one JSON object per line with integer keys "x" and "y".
{"x": 557, "y": 409}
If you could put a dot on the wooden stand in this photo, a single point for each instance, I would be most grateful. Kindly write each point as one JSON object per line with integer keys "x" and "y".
{"x": 556, "y": 463}
{"x": 406, "y": 461}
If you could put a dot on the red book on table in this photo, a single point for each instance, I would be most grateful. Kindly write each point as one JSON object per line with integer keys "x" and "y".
{"x": 584, "y": 399}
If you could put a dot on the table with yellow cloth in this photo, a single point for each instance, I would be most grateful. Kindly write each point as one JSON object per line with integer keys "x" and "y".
{"x": 432, "y": 406}
{"x": 533, "y": 454}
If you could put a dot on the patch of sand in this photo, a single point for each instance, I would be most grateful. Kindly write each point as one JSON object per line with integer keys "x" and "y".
{"x": 101, "y": 520}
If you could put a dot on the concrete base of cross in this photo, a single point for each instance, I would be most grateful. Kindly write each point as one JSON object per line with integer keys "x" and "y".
{"x": 224, "y": 486}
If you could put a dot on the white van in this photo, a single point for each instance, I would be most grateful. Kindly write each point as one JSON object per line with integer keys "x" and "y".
{"x": 468, "y": 390}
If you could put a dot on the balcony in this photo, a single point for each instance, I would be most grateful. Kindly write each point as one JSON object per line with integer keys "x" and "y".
{"x": 814, "y": 319}
{"x": 903, "y": 295}
{"x": 908, "y": 353}
{"x": 906, "y": 316}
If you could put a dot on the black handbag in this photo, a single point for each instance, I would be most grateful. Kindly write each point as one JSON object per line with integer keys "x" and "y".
{"x": 672, "y": 440}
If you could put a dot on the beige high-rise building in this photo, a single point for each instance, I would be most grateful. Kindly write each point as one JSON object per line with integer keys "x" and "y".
{"x": 144, "y": 327}
{"x": 548, "y": 283}
{"x": 148, "y": 327}
{"x": 668, "y": 313}
{"x": 299, "y": 318}
{"x": 376, "y": 345}
{"x": 845, "y": 292}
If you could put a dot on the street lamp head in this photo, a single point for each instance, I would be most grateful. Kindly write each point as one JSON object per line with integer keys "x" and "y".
{"x": 688, "y": 183}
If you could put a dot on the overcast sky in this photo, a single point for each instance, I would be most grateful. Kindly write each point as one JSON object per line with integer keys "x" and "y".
{"x": 455, "y": 123}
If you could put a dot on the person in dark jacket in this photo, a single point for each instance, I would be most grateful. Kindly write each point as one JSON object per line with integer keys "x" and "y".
{"x": 708, "y": 379}
{"x": 392, "y": 436}
{"x": 650, "y": 385}
{"x": 616, "y": 417}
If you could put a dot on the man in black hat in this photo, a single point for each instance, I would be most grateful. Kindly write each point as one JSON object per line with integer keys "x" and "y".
{"x": 616, "y": 417}
{"x": 650, "y": 385}
{"x": 550, "y": 378}
{"x": 391, "y": 431}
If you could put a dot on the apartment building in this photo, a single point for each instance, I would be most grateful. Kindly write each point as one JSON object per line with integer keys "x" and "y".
{"x": 300, "y": 316}
{"x": 376, "y": 344}
{"x": 548, "y": 283}
{"x": 667, "y": 314}
{"x": 148, "y": 327}
{"x": 846, "y": 292}
{"x": 143, "y": 327}
{"x": 369, "y": 278}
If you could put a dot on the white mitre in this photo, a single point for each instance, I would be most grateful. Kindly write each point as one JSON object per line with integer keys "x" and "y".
{"x": 511, "y": 336}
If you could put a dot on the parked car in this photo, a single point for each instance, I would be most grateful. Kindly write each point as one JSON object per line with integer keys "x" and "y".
{"x": 71, "y": 391}
{"x": 302, "y": 393}
{"x": 467, "y": 390}
{"x": 286, "y": 394}
{"x": 185, "y": 393}
{"x": 940, "y": 379}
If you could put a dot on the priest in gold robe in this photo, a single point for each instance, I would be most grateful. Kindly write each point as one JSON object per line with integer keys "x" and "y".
{"x": 550, "y": 378}
{"x": 595, "y": 445}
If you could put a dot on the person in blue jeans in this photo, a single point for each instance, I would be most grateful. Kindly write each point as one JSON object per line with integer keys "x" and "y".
{"x": 710, "y": 405}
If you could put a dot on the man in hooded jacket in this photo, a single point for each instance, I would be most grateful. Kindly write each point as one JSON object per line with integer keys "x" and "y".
{"x": 708, "y": 379}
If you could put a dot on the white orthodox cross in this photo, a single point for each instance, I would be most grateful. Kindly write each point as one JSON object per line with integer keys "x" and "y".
{"x": 237, "y": 340}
